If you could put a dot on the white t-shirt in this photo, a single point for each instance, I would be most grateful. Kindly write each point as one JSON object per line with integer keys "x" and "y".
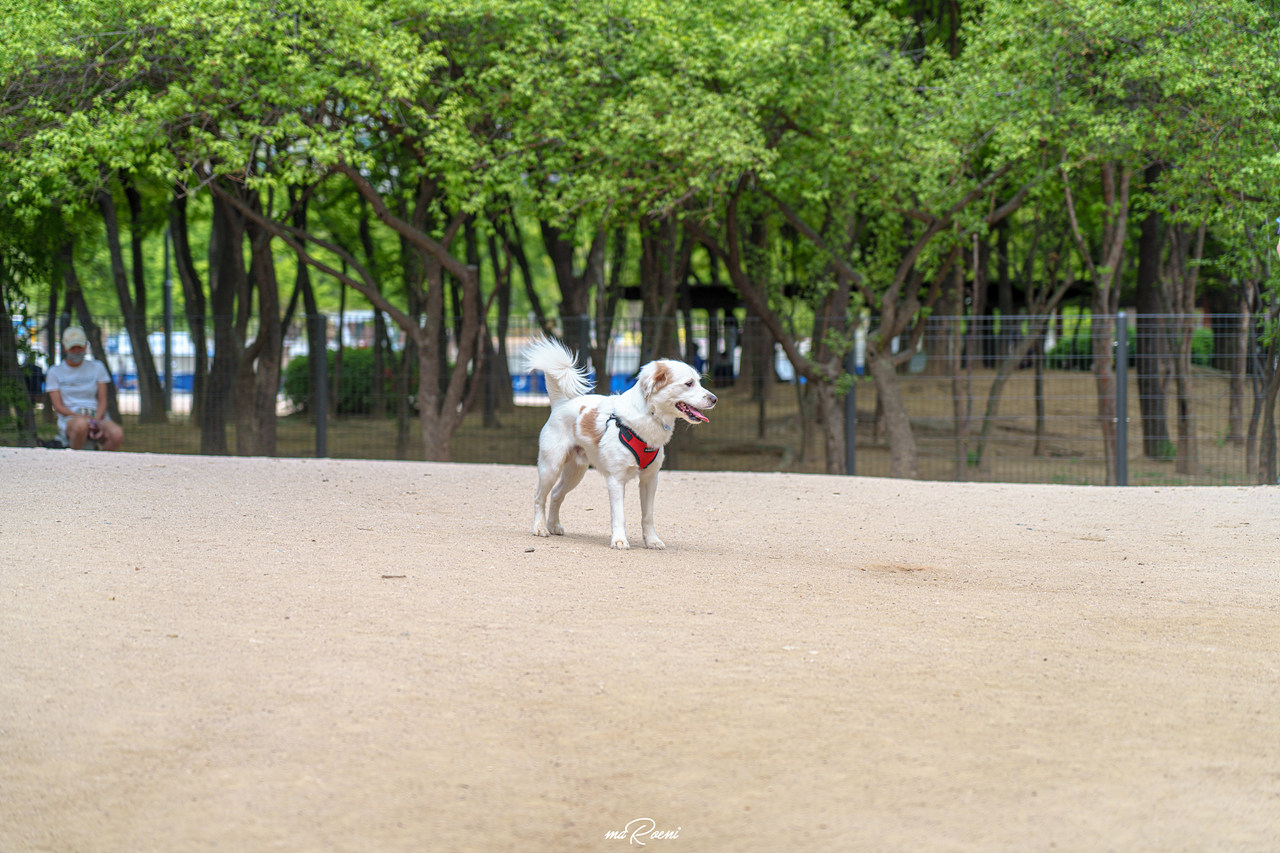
{"x": 79, "y": 385}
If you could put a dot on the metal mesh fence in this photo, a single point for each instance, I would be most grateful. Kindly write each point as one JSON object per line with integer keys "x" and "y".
{"x": 989, "y": 399}
{"x": 1019, "y": 401}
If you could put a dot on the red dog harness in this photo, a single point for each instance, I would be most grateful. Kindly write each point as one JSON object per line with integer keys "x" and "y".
{"x": 643, "y": 453}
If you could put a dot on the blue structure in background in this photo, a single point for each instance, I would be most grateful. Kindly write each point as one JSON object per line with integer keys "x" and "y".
{"x": 536, "y": 383}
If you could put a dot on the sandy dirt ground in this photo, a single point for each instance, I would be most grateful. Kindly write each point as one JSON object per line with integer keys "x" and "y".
{"x": 311, "y": 655}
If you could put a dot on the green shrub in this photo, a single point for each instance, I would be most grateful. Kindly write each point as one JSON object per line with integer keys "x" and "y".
{"x": 1076, "y": 352}
{"x": 1202, "y": 347}
{"x": 355, "y": 393}
{"x": 1073, "y": 353}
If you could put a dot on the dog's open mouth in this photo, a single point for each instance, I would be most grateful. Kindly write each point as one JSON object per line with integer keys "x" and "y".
{"x": 691, "y": 414}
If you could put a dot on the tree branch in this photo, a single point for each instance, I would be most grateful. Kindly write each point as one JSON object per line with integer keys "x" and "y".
{"x": 295, "y": 238}
{"x": 419, "y": 238}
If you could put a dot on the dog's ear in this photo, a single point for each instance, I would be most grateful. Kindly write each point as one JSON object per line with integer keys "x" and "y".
{"x": 654, "y": 376}
{"x": 644, "y": 379}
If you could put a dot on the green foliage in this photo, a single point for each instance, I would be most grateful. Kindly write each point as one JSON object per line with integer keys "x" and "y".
{"x": 355, "y": 389}
{"x": 1202, "y": 347}
{"x": 1075, "y": 352}
{"x": 871, "y": 119}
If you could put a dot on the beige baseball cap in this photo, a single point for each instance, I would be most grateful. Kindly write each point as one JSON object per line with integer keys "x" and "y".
{"x": 73, "y": 336}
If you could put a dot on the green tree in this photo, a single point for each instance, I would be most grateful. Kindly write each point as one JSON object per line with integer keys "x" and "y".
{"x": 1109, "y": 90}
{"x": 876, "y": 158}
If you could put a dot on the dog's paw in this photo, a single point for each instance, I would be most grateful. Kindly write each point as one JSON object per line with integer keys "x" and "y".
{"x": 621, "y": 544}
{"x": 557, "y": 529}
{"x": 655, "y": 543}
{"x": 540, "y": 529}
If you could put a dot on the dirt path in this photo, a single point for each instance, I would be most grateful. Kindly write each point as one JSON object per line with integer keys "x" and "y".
{"x": 296, "y": 655}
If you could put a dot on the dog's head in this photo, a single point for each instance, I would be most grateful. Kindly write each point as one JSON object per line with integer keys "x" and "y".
{"x": 673, "y": 387}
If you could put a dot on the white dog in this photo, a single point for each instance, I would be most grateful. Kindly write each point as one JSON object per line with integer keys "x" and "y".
{"x": 622, "y": 436}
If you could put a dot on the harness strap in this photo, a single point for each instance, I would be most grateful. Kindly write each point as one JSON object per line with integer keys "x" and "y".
{"x": 643, "y": 453}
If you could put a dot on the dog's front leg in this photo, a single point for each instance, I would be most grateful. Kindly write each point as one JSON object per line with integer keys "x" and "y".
{"x": 649, "y": 488}
{"x": 616, "y": 518}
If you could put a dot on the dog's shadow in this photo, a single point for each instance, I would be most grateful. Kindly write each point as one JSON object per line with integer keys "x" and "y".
{"x": 588, "y": 540}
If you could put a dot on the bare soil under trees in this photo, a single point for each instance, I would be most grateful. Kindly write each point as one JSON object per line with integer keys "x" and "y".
{"x": 274, "y": 654}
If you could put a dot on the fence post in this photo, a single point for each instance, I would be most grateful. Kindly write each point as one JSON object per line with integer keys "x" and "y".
{"x": 851, "y": 416}
{"x": 320, "y": 393}
{"x": 1122, "y": 399}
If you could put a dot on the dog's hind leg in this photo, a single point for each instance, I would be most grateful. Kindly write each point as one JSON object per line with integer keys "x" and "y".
{"x": 548, "y": 471}
{"x": 571, "y": 475}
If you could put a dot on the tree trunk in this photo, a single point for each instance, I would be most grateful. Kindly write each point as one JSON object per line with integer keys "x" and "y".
{"x": 134, "y": 199}
{"x": 445, "y": 392}
{"x": 339, "y": 352}
{"x": 1184, "y": 270}
{"x": 903, "y": 455}
{"x": 1149, "y": 344}
{"x": 147, "y": 387}
{"x": 575, "y": 286}
{"x": 1042, "y": 302}
{"x": 1188, "y": 462}
{"x": 663, "y": 260}
{"x": 512, "y": 243}
{"x": 192, "y": 298}
{"x": 150, "y": 391}
{"x": 960, "y": 369}
{"x": 48, "y": 417}
{"x": 226, "y": 277}
{"x": 608, "y": 293}
{"x": 13, "y": 388}
{"x": 1104, "y": 326}
{"x": 1008, "y": 338}
{"x": 412, "y": 277}
{"x": 442, "y": 409}
{"x": 1038, "y": 448}
{"x": 378, "y": 407}
{"x": 1115, "y": 180}
{"x": 317, "y": 347}
{"x": 498, "y": 393}
{"x": 943, "y": 332}
{"x": 1230, "y": 319}
{"x": 831, "y": 415}
{"x": 1266, "y": 455}
{"x": 755, "y": 367}
{"x": 1008, "y": 364}
{"x": 1239, "y": 364}
{"x": 258, "y": 378}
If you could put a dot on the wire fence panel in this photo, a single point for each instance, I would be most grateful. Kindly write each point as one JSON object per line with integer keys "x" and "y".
{"x": 989, "y": 399}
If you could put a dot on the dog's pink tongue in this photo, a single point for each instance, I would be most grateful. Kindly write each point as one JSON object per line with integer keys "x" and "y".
{"x": 693, "y": 413}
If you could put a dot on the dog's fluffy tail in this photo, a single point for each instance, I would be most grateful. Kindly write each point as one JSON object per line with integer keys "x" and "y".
{"x": 565, "y": 379}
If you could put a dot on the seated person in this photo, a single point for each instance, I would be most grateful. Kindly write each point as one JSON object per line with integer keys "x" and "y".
{"x": 78, "y": 391}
